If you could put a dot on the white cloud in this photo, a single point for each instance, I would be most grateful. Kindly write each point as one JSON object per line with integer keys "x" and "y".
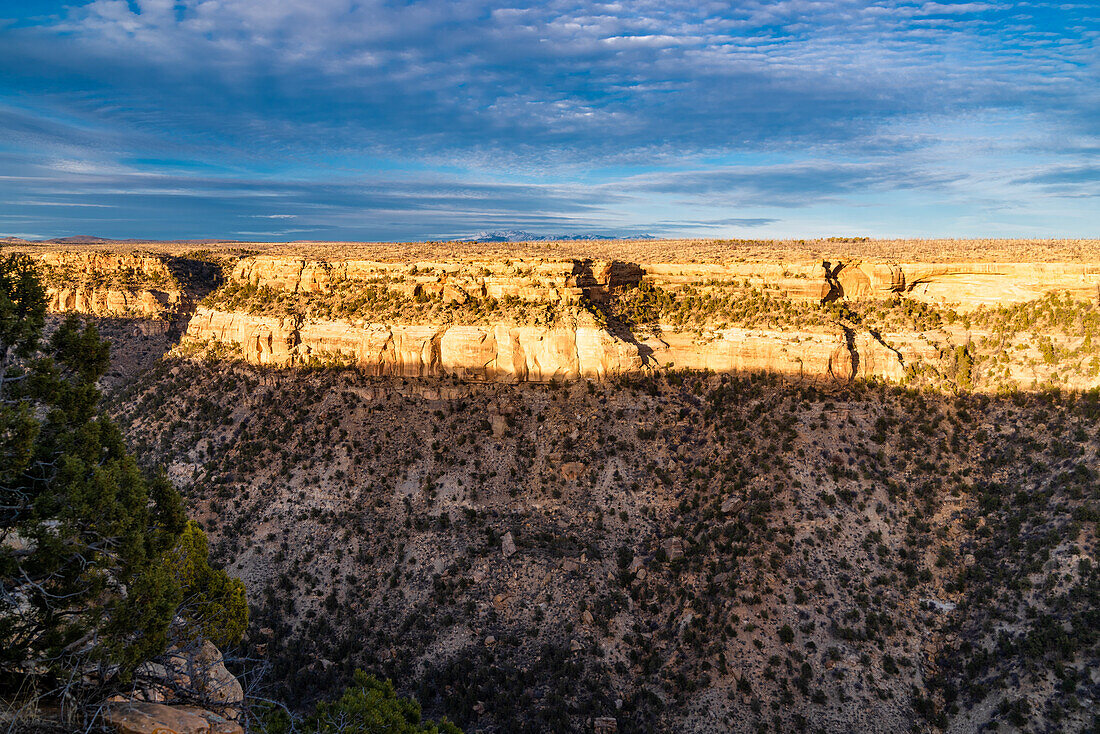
{"x": 117, "y": 92}
{"x": 954, "y": 8}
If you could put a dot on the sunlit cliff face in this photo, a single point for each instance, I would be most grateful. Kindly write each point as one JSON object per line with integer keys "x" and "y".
{"x": 970, "y": 325}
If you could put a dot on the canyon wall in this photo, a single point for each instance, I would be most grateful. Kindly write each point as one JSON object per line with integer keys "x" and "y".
{"x": 103, "y": 284}
{"x": 834, "y": 354}
{"x": 562, "y": 281}
{"x": 573, "y": 340}
{"x": 499, "y": 353}
{"x": 505, "y": 353}
{"x": 119, "y": 302}
{"x": 963, "y": 286}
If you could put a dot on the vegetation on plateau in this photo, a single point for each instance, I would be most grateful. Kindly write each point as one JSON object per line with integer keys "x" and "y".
{"x": 120, "y": 278}
{"x": 377, "y": 301}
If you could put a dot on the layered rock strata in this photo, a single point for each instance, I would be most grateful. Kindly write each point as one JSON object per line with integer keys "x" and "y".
{"x": 838, "y": 354}
{"x": 563, "y": 281}
{"x": 961, "y": 285}
{"x": 143, "y": 303}
{"x": 102, "y": 284}
{"x": 538, "y": 354}
{"x": 498, "y": 353}
{"x": 575, "y": 345}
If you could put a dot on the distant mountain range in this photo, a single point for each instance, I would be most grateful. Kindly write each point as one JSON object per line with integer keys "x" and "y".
{"x": 519, "y": 235}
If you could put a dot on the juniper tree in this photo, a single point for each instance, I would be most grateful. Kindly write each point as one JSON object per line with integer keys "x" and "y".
{"x": 91, "y": 578}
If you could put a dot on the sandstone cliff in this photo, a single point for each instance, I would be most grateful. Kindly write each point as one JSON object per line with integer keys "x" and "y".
{"x": 553, "y": 281}
{"x": 539, "y": 320}
{"x": 962, "y": 285}
{"x": 499, "y": 353}
{"x": 104, "y": 284}
{"x": 149, "y": 304}
{"x": 836, "y": 354}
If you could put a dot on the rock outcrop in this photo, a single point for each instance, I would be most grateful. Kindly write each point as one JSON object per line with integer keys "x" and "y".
{"x": 164, "y": 692}
{"x": 202, "y": 672}
{"x": 294, "y": 317}
{"x": 148, "y": 304}
{"x": 135, "y": 717}
{"x": 833, "y": 354}
{"x": 103, "y": 284}
{"x": 969, "y": 285}
{"x": 499, "y": 353}
{"x": 563, "y": 281}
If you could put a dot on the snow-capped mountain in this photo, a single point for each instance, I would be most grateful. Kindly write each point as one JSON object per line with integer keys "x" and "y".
{"x": 519, "y": 235}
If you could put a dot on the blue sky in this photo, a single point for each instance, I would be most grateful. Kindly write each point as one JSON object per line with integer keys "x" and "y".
{"x": 379, "y": 120}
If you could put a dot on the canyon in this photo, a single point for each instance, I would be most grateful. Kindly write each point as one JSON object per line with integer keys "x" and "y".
{"x": 749, "y": 492}
{"x": 538, "y": 320}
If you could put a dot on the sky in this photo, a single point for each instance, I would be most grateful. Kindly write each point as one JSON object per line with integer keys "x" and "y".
{"x": 389, "y": 120}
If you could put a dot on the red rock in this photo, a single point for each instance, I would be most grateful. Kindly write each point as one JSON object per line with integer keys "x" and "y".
{"x": 155, "y": 718}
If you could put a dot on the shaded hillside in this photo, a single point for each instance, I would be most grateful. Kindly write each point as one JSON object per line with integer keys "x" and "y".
{"x": 681, "y": 552}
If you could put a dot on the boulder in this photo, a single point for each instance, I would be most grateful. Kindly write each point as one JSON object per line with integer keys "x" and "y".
{"x": 202, "y": 671}
{"x": 454, "y": 294}
{"x": 571, "y": 471}
{"x": 155, "y": 718}
{"x": 605, "y": 725}
{"x": 218, "y": 724}
{"x": 674, "y": 548}
{"x": 508, "y": 545}
{"x": 732, "y": 505}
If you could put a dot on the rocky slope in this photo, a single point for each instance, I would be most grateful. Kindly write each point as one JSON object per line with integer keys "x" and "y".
{"x": 654, "y": 549}
{"x": 676, "y": 552}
